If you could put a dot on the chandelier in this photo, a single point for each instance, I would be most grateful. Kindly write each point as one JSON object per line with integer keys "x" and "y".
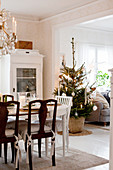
{"x": 7, "y": 36}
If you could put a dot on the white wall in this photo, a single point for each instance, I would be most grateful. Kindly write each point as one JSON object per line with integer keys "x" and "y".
{"x": 28, "y": 31}
{"x": 82, "y": 35}
{"x": 47, "y": 42}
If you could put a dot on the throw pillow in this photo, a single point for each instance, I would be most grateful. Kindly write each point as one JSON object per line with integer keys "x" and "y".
{"x": 106, "y": 95}
{"x": 101, "y": 98}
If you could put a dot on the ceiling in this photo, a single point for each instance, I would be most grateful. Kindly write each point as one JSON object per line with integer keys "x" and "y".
{"x": 41, "y": 9}
{"x": 103, "y": 24}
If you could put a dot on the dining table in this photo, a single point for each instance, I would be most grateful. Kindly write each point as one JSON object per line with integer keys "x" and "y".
{"x": 23, "y": 115}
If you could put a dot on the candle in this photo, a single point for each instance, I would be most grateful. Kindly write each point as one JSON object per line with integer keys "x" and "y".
{"x": 91, "y": 103}
{"x": 22, "y": 101}
{"x": 15, "y": 27}
{"x": 13, "y": 24}
{"x": 66, "y": 88}
{"x": 59, "y": 88}
{"x": 81, "y": 106}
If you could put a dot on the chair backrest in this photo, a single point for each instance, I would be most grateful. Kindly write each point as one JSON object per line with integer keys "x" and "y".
{"x": 42, "y": 107}
{"x": 66, "y": 100}
{"x": 7, "y": 96}
{"x": 4, "y": 117}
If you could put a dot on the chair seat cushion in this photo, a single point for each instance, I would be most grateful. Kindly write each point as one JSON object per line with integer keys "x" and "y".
{"x": 58, "y": 123}
{"x": 105, "y": 112}
{"x": 9, "y": 132}
{"x": 57, "y": 119}
{"x": 11, "y": 123}
{"x": 34, "y": 128}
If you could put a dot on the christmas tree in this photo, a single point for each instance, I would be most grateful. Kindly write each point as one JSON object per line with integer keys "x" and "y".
{"x": 73, "y": 82}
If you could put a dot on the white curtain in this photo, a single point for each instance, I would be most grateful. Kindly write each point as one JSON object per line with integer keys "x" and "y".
{"x": 86, "y": 54}
{"x": 109, "y": 54}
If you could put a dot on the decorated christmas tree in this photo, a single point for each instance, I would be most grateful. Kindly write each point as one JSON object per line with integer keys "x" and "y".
{"x": 73, "y": 82}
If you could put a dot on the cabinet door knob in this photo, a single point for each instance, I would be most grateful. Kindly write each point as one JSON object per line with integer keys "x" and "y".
{"x": 13, "y": 89}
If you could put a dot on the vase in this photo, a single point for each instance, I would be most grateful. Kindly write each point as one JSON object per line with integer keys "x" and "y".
{"x": 76, "y": 125}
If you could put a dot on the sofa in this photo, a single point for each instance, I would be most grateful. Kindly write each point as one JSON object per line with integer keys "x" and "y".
{"x": 102, "y": 114}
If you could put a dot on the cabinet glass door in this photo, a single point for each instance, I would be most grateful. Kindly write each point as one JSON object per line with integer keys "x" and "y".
{"x": 26, "y": 79}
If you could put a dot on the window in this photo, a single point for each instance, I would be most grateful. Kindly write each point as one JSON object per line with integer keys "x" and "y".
{"x": 96, "y": 58}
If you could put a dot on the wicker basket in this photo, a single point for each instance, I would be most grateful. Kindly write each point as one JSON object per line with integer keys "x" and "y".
{"x": 76, "y": 125}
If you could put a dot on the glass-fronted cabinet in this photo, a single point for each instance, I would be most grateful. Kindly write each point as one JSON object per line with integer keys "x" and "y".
{"x": 22, "y": 72}
{"x": 26, "y": 80}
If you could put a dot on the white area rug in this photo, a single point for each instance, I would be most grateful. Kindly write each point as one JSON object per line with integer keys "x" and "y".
{"x": 74, "y": 160}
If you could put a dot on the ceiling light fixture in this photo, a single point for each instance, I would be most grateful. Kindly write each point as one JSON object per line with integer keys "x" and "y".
{"x": 7, "y": 36}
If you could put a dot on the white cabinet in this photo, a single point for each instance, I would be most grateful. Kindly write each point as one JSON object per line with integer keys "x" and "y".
{"x": 22, "y": 71}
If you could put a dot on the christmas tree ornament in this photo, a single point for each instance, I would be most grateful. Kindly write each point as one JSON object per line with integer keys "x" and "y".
{"x": 73, "y": 94}
{"x": 76, "y": 114}
{"x": 94, "y": 108}
{"x": 63, "y": 94}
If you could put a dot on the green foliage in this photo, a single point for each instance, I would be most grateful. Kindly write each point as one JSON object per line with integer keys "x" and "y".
{"x": 71, "y": 84}
{"x": 102, "y": 79}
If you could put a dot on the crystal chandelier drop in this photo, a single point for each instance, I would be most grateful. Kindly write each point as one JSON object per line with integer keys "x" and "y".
{"x": 7, "y": 36}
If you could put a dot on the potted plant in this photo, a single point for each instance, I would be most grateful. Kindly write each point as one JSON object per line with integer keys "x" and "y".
{"x": 72, "y": 83}
{"x": 102, "y": 79}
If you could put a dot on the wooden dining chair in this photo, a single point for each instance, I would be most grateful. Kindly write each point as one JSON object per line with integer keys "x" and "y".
{"x": 9, "y": 135}
{"x": 39, "y": 130}
{"x": 66, "y": 101}
{"x": 8, "y": 97}
{"x": 5, "y": 98}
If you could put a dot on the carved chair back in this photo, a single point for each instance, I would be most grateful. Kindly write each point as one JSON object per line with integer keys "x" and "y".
{"x": 7, "y": 96}
{"x": 4, "y": 117}
{"x": 42, "y": 113}
{"x": 65, "y": 100}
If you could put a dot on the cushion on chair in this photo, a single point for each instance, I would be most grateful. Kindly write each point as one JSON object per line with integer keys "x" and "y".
{"x": 101, "y": 98}
{"x": 34, "y": 128}
{"x": 9, "y": 132}
{"x": 11, "y": 123}
{"x": 105, "y": 112}
{"x": 58, "y": 123}
{"x": 107, "y": 96}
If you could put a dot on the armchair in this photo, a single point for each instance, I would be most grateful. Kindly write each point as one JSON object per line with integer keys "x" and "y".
{"x": 102, "y": 114}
